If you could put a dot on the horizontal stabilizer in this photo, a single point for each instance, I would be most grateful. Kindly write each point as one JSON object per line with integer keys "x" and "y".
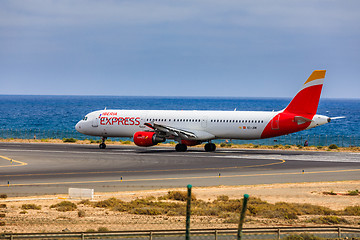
{"x": 301, "y": 120}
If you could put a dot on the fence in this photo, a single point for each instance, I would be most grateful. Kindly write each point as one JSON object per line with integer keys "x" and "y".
{"x": 291, "y": 139}
{"x": 335, "y": 232}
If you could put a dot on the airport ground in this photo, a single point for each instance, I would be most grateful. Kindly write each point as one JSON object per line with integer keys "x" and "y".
{"x": 42, "y": 174}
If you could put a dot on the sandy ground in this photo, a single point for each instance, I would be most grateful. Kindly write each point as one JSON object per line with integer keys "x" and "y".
{"x": 50, "y": 220}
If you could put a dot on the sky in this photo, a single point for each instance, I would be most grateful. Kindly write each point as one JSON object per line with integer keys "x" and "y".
{"x": 227, "y": 48}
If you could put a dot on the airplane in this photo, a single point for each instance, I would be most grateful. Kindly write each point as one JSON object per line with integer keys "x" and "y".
{"x": 190, "y": 128}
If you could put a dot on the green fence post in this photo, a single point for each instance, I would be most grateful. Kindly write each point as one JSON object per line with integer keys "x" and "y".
{"x": 188, "y": 209}
{"x": 242, "y": 216}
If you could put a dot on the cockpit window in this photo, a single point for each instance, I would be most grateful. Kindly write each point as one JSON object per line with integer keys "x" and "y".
{"x": 85, "y": 118}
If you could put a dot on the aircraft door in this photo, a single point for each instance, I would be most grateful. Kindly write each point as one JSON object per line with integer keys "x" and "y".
{"x": 275, "y": 122}
{"x": 142, "y": 121}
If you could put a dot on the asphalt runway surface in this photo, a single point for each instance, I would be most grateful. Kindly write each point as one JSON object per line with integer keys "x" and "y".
{"x": 37, "y": 169}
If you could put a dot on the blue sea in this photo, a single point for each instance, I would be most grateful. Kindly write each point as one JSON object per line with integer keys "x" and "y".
{"x": 56, "y": 116}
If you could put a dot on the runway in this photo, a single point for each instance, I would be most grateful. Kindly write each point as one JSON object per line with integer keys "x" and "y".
{"x": 34, "y": 169}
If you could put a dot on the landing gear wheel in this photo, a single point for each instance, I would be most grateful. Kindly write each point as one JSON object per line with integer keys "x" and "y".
{"x": 180, "y": 147}
{"x": 102, "y": 144}
{"x": 210, "y": 147}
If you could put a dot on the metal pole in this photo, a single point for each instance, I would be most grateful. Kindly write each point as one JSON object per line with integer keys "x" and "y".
{"x": 188, "y": 209}
{"x": 242, "y": 216}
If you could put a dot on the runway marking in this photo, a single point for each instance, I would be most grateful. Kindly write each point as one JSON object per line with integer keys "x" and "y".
{"x": 281, "y": 161}
{"x": 19, "y": 163}
{"x": 179, "y": 178}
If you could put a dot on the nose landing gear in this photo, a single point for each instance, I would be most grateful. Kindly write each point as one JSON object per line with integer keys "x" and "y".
{"x": 102, "y": 144}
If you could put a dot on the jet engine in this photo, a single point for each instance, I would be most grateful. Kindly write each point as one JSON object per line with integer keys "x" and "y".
{"x": 147, "y": 139}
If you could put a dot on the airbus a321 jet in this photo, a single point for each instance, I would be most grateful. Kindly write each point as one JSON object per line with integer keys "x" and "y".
{"x": 190, "y": 128}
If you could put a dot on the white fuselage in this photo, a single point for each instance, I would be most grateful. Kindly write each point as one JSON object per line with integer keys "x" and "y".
{"x": 206, "y": 124}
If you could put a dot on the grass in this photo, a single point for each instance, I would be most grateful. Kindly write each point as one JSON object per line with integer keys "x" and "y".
{"x": 3, "y": 196}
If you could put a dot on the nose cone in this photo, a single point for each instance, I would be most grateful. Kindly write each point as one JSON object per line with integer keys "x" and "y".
{"x": 78, "y": 127}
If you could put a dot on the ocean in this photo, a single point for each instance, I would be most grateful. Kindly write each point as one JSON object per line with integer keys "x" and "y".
{"x": 55, "y": 116}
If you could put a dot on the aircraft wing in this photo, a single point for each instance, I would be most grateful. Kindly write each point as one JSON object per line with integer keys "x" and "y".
{"x": 182, "y": 133}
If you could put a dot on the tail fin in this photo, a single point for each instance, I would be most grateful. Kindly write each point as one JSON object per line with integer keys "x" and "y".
{"x": 306, "y": 100}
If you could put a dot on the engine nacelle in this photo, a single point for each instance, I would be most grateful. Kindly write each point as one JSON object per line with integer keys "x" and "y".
{"x": 147, "y": 139}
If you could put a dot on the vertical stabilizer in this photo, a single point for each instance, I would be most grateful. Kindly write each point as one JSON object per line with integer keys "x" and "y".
{"x": 306, "y": 101}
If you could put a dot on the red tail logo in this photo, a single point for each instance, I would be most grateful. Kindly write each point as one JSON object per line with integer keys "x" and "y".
{"x": 298, "y": 114}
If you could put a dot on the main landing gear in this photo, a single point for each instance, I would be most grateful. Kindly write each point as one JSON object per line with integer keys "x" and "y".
{"x": 102, "y": 144}
{"x": 180, "y": 147}
{"x": 210, "y": 147}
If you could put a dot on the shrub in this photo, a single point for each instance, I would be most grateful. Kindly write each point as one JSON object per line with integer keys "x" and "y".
{"x": 126, "y": 142}
{"x": 256, "y": 146}
{"x": 333, "y": 146}
{"x": 223, "y": 198}
{"x": 312, "y": 209}
{"x": 328, "y": 220}
{"x": 352, "y": 211}
{"x": 147, "y": 211}
{"x": 103, "y": 229}
{"x": 275, "y": 146}
{"x": 64, "y": 206}
{"x": 3, "y": 196}
{"x": 23, "y": 212}
{"x": 30, "y": 206}
{"x": 287, "y": 146}
{"x": 3, "y": 205}
{"x": 302, "y": 236}
{"x": 69, "y": 140}
{"x": 353, "y": 193}
{"x": 179, "y": 196}
{"x": 319, "y": 147}
{"x": 330, "y": 193}
{"x": 109, "y": 203}
{"x": 85, "y": 202}
{"x": 2, "y": 223}
{"x": 81, "y": 213}
{"x": 2, "y": 215}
